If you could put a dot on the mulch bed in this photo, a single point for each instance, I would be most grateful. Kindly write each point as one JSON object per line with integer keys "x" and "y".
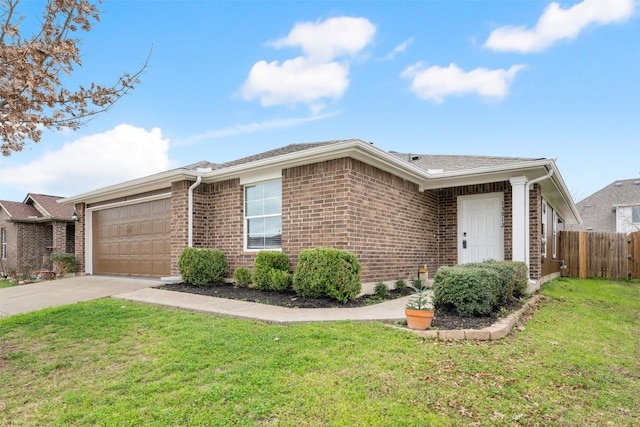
{"x": 442, "y": 319}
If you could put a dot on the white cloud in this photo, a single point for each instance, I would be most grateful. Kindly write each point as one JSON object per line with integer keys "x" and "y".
{"x": 329, "y": 39}
{"x": 321, "y": 73}
{"x": 557, "y": 24}
{"x": 435, "y": 83}
{"x": 402, "y": 47}
{"x": 242, "y": 129}
{"x": 297, "y": 80}
{"x": 120, "y": 154}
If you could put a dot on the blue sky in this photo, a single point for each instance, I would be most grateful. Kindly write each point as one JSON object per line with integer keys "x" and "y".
{"x": 229, "y": 79}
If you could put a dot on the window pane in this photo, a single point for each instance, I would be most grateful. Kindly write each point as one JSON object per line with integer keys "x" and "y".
{"x": 272, "y": 189}
{"x": 253, "y": 193}
{"x": 254, "y": 208}
{"x": 272, "y": 206}
{"x": 635, "y": 214}
{"x": 256, "y": 226}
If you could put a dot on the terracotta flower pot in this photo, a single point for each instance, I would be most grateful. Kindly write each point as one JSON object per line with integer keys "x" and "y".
{"x": 418, "y": 319}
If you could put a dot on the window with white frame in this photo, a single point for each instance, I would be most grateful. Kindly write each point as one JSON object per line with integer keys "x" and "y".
{"x": 543, "y": 238}
{"x": 554, "y": 231}
{"x": 635, "y": 214}
{"x": 263, "y": 216}
{"x": 3, "y": 243}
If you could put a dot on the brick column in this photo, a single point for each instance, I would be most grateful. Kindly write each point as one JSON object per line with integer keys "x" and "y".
{"x": 179, "y": 221}
{"x": 80, "y": 238}
{"x": 59, "y": 237}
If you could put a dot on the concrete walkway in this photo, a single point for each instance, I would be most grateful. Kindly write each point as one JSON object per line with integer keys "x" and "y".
{"x": 387, "y": 311}
{"x": 36, "y": 296}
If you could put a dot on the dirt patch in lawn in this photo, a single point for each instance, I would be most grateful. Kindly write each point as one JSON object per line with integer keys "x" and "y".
{"x": 442, "y": 319}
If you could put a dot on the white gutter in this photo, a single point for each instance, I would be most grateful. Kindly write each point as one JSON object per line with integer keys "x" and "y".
{"x": 190, "y": 227}
{"x": 527, "y": 220}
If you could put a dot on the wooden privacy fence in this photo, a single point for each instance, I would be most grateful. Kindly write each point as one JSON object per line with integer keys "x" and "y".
{"x": 600, "y": 254}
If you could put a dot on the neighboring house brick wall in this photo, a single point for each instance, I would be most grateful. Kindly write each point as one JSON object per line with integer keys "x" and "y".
{"x": 448, "y": 218}
{"x": 12, "y": 241}
{"x": 59, "y": 239}
{"x": 34, "y": 244}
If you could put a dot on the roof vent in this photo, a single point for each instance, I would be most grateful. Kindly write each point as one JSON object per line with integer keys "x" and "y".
{"x": 636, "y": 182}
{"x": 203, "y": 170}
{"x": 618, "y": 184}
{"x": 414, "y": 158}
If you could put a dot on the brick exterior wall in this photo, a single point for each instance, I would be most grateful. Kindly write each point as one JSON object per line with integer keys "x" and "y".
{"x": 34, "y": 244}
{"x": 179, "y": 221}
{"x": 391, "y": 226}
{"x": 448, "y": 218}
{"x": 535, "y": 233}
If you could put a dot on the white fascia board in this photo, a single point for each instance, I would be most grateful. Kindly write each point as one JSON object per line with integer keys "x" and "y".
{"x": 355, "y": 149}
{"x": 136, "y": 186}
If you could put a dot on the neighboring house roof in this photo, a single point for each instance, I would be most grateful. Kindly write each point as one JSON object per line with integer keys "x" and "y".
{"x": 37, "y": 207}
{"x": 427, "y": 171}
{"x": 598, "y": 211}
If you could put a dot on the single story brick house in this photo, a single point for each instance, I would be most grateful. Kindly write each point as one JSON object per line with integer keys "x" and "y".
{"x": 396, "y": 212}
{"x": 32, "y": 230}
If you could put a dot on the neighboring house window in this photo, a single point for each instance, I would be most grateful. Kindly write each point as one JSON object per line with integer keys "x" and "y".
{"x": 263, "y": 215}
{"x": 3, "y": 242}
{"x": 544, "y": 229}
{"x": 554, "y": 231}
{"x": 635, "y": 214}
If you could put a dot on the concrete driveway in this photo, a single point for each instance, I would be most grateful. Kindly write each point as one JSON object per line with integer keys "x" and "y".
{"x": 35, "y": 296}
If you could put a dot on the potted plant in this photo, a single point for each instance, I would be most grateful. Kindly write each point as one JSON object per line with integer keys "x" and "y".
{"x": 419, "y": 310}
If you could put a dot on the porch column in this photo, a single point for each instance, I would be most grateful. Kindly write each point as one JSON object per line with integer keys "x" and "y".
{"x": 520, "y": 219}
{"x": 59, "y": 238}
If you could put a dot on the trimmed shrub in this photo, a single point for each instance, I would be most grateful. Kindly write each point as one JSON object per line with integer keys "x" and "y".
{"x": 202, "y": 267}
{"x": 401, "y": 285}
{"x": 381, "y": 290}
{"x": 469, "y": 291}
{"x": 264, "y": 264}
{"x": 63, "y": 263}
{"x": 521, "y": 278}
{"x": 281, "y": 280}
{"x": 503, "y": 288}
{"x": 327, "y": 272}
{"x": 241, "y": 277}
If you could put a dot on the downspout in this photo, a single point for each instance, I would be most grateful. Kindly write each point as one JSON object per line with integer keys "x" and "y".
{"x": 527, "y": 221}
{"x": 193, "y": 186}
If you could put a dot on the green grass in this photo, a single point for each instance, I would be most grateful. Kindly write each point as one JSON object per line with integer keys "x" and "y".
{"x": 106, "y": 362}
{"x": 5, "y": 284}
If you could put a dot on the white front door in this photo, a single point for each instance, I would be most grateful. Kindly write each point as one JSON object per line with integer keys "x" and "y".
{"x": 480, "y": 228}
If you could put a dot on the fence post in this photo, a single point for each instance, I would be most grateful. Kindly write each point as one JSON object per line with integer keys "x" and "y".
{"x": 582, "y": 255}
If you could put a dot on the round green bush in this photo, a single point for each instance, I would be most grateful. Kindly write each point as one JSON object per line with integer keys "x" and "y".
{"x": 327, "y": 272}
{"x": 470, "y": 291}
{"x": 281, "y": 280}
{"x": 264, "y": 263}
{"x": 242, "y": 277}
{"x": 202, "y": 267}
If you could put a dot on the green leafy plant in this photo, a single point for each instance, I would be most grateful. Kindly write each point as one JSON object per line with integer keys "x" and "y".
{"x": 327, "y": 272}
{"x": 202, "y": 266}
{"x": 63, "y": 263}
{"x": 381, "y": 290}
{"x": 281, "y": 280}
{"x": 264, "y": 263}
{"x": 420, "y": 300}
{"x": 418, "y": 284}
{"x": 241, "y": 277}
{"x": 400, "y": 284}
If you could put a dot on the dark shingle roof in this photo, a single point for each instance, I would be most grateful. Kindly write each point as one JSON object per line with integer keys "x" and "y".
{"x": 457, "y": 162}
{"x": 50, "y": 205}
{"x": 37, "y": 206}
{"x": 597, "y": 210}
{"x": 19, "y": 210}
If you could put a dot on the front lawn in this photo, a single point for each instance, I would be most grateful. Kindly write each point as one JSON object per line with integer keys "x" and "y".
{"x": 108, "y": 362}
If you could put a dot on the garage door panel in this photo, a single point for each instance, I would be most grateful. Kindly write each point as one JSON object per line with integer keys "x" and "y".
{"x": 133, "y": 240}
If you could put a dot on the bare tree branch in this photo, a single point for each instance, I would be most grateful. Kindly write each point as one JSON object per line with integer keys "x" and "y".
{"x": 32, "y": 96}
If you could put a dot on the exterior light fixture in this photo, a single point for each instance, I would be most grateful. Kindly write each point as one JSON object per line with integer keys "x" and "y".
{"x": 75, "y": 217}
